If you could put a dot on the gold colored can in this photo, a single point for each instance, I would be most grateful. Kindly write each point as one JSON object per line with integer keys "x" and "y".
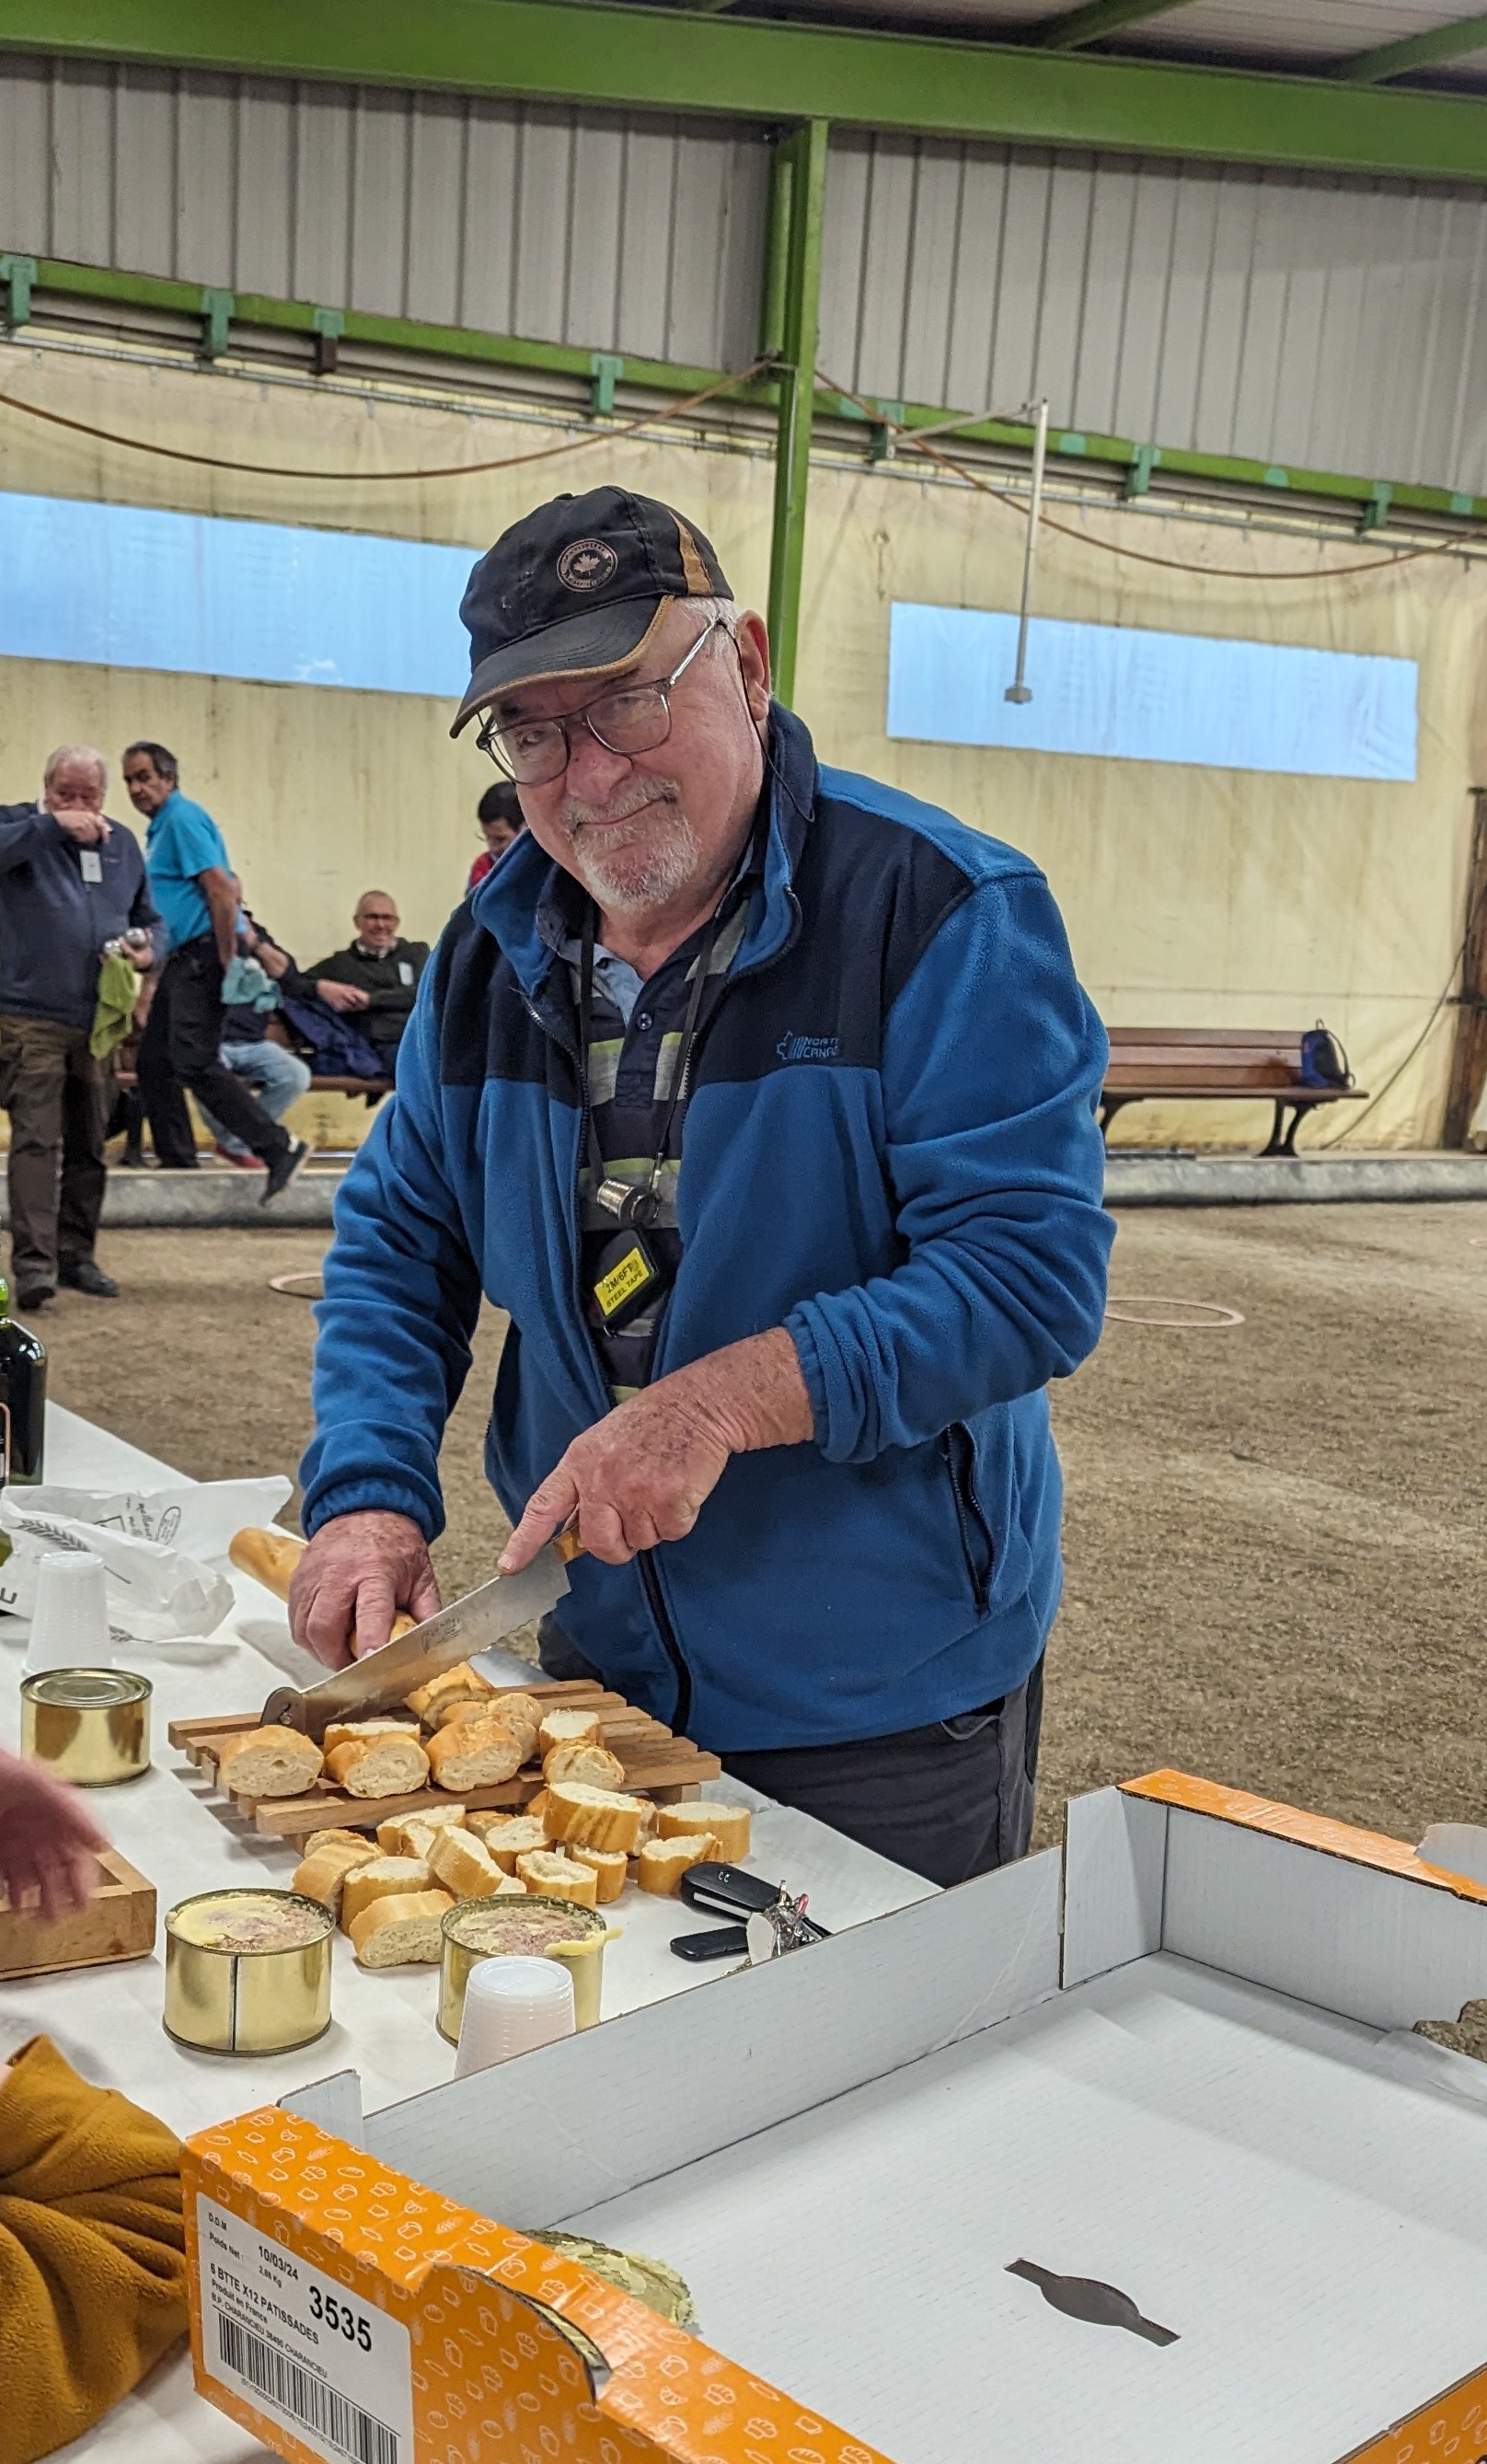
{"x": 90, "y": 1726}
{"x": 530, "y": 1929}
{"x": 247, "y": 1971}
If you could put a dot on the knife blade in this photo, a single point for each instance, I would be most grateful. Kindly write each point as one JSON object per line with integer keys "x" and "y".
{"x": 383, "y": 1678}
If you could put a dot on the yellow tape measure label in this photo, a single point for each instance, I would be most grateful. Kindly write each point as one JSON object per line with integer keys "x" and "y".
{"x": 629, "y": 1275}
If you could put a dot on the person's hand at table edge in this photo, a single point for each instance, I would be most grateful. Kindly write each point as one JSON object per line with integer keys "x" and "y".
{"x": 355, "y": 1576}
{"x": 47, "y": 1843}
{"x": 641, "y": 1474}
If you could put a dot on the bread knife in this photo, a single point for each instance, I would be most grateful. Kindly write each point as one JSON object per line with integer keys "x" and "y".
{"x": 382, "y": 1680}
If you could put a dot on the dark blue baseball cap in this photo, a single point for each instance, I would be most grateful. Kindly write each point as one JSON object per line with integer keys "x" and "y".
{"x": 576, "y": 589}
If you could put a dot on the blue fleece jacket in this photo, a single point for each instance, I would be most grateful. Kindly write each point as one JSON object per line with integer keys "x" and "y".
{"x": 891, "y": 1149}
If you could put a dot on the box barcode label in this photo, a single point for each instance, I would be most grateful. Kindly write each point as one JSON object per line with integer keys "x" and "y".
{"x": 310, "y": 2400}
{"x": 310, "y": 2355}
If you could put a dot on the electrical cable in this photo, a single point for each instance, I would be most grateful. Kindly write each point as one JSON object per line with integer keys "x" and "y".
{"x": 449, "y": 470}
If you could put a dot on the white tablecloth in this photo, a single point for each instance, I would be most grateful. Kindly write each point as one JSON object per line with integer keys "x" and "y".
{"x": 107, "y": 2021}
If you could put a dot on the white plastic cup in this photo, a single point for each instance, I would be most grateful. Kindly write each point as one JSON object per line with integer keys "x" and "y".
{"x": 512, "y": 2006}
{"x": 69, "y": 1624}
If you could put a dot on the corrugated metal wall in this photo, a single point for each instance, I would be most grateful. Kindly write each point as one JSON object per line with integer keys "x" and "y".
{"x": 1335, "y": 324}
{"x": 623, "y": 233}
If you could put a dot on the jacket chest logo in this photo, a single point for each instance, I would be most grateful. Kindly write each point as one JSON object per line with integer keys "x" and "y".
{"x": 809, "y": 1047}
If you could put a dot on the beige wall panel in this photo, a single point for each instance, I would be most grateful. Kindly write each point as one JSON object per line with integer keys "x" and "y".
{"x": 1192, "y": 896}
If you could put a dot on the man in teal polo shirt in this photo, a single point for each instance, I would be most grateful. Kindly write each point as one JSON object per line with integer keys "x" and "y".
{"x": 196, "y": 893}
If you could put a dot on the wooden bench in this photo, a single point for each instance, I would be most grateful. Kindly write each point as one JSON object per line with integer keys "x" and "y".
{"x": 127, "y": 1078}
{"x": 1183, "y": 1065}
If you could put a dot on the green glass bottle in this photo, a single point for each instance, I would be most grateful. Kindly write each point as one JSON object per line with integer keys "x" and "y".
{"x": 23, "y": 1398}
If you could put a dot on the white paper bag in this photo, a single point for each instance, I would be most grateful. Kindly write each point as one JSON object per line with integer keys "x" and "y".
{"x": 199, "y": 1516}
{"x": 154, "y": 1595}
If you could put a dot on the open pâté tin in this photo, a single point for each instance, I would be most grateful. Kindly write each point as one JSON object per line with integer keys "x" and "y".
{"x": 530, "y": 1929}
{"x": 90, "y": 1726}
{"x": 247, "y": 1971}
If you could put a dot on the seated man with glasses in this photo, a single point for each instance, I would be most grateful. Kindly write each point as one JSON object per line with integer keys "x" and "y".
{"x": 763, "y": 1098}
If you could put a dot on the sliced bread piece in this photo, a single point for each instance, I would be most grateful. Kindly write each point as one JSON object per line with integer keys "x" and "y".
{"x": 392, "y": 1834}
{"x": 353, "y": 1732}
{"x": 505, "y": 1836}
{"x": 323, "y": 1876}
{"x": 460, "y": 1863}
{"x": 728, "y": 1825}
{"x": 601, "y": 1817}
{"x": 478, "y": 1753}
{"x": 594, "y": 1764}
{"x": 459, "y": 1684}
{"x": 378, "y": 1880}
{"x": 340, "y": 1838}
{"x": 268, "y": 1762}
{"x": 570, "y": 1729}
{"x": 663, "y": 1862}
{"x": 402, "y": 1930}
{"x": 548, "y": 1877}
{"x": 383, "y": 1765}
{"x": 611, "y": 1869}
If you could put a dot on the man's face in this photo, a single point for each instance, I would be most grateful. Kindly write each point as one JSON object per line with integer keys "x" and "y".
{"x": 147, "y": 788}
{"x": 75, "y": 787}
{"x": 376, "y": 920}
{"x": 636, "y": 828}
{"x": 498, "y": 835}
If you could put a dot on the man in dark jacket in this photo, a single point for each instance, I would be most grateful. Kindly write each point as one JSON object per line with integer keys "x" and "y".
{"x": 70, "y": 881}
{"x": 763, "y": 1097}
{"x": 383, "y": 970}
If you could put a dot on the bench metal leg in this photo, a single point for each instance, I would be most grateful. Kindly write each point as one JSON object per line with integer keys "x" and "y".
{"x": 1282, "y": 1140}
{"x": 1109, "y": 1109}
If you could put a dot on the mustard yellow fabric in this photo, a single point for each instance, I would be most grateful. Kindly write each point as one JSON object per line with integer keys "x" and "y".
{"x": 92, "y": 2251}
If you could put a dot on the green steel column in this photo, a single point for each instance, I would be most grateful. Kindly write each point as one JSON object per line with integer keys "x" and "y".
{"x": 801, "y": 324}
{"x": 776, "y": 244}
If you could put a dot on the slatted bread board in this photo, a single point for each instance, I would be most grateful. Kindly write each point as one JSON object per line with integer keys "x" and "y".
{"x": 656, "y": 1764}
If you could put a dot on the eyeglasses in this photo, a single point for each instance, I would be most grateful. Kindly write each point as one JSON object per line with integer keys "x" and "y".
{"x": 635, "y": 719}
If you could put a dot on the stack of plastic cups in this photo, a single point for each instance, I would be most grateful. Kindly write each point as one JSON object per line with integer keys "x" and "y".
{"x": 69, "y": 1624}
{"x": 512, "y": 2006}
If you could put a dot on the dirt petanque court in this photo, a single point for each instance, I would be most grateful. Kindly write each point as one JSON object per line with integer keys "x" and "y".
{"x": 1276, "y": 1539}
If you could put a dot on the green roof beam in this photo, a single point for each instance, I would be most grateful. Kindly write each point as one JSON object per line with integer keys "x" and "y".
{"x": 1074, "y": 26}
{"x": 1450, "y": 42}
{"x": 674, "y": 60}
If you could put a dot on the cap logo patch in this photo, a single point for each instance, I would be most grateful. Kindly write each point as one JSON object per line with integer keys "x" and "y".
{"x": 587, "y": 565}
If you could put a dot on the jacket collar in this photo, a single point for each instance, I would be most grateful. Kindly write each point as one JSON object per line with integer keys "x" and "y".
{"x": 507, "y": 902}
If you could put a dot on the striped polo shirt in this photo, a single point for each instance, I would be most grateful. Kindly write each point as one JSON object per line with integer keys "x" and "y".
{"x": 635, "y": 1034}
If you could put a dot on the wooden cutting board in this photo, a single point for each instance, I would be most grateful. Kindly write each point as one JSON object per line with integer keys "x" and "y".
{"x": 117, "y": 1922}
{"x": 656, "y": 1764}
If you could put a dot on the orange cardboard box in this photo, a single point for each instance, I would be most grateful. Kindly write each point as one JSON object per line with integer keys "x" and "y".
{"x": 340, "y": 2310}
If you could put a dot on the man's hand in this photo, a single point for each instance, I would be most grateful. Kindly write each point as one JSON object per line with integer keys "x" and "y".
{"x": 84, "y": 829}
{"x": 47, "y": 1843}
{"x": 641, "y": 1474}
{"x": 355, "y": 1576}
{"x": 337, "y": 995}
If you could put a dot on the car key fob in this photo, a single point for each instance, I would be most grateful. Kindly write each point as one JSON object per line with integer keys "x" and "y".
{"x": 719, "y": 1942}
{"x": 727, "y": 1891}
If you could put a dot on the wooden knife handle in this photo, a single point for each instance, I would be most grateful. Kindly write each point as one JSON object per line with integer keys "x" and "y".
{"x": 271, "y": 1556}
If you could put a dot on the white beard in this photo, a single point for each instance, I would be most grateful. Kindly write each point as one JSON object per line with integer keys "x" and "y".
{"x": 662, "y": 851}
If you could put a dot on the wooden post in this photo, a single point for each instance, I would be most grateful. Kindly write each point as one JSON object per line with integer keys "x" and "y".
{"x": 1469, "y": 1059}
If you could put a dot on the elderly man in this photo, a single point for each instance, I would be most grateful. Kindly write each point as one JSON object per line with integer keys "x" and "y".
{"x": 70, "y": 881}
{"x": 196, "y": 889}
{"x": 377, "y": 977}
{"x": 762, "y": 1097}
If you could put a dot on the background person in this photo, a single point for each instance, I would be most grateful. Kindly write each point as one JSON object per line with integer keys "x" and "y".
{"x": 277, "y": 1076}
{"x": 383, "y": 969}
{"x": 831, "y": 1043}
{"x": 500, "y": 818}
{"x": 70, "y": 881}
{"x": 194, "y": 888}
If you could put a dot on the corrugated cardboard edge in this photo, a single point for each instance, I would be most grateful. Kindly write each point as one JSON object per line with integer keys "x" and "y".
{"x": 1454, "y": 2424}
{"x": 1306, "y": 1830}
{"x": 669, "y": 2395}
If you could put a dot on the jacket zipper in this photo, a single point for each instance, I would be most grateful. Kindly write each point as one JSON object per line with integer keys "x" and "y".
{"x": 957, "y": 1443}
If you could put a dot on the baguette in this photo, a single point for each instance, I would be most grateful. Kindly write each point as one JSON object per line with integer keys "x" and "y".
{"x": 728, "y": 1825}
{"x": 516, "y": 1711}
{"x": 268, "y": 1762}
{"x": 594, "y": 1764}
{"x": 320, "y": 1839}
{"x": 558, "y": 1877}
{"x": 323, "y": 1877}
{"x": 600, "y": 1818}
{"x": 379, "y": 1879}
{"x": 522, "y": 1710}
{"x": 385, "y": 1766}
{"x": 570, "y": 1729}
{"x": 664, "y": 1862}
{"x": 611, "y": 1869}
{"x": 266, "y": 1554}
{"x": 393, "y": 1837}
{"x": 359, "y": 1732}
{"x": 505, "y": 1836}
{"x": 460, "y": 1863}
{"x": 400, "y": 1931}
{"x": 476, "y": 1754}
{"x": 459, "y": 1684}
